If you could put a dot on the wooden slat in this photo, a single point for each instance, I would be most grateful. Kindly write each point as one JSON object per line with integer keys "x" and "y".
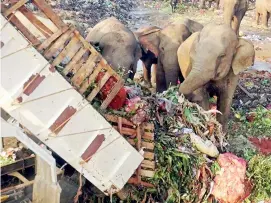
{"x": 147, "y": 173}
{"x": 148, "y": 145}
{"x": 149, "y": 155}
{"x": 103, "y": 61}
{"x": 148, "y": 164}
{"x": 24, "y": 30}
{"x": 148, "y": 136}
{"x": 148, "y": 126}
{"x": 86, "y": 44}
{"x": 112, "y": 94}
{"x": 14, "y": 7}
{"x": 74, "y": 61}
{"x": 84, "y": 72}
{"x": 36, "y": 22}
{"x": 78, "y": 65}
{"x": 53, "y": 37}
{"x": 114, "y": 119}
{"x": 138, "y": 147}
{"x": 48, "y": 11}
{"x": 91, "y": 78}
{"x": 127, "y": 131}
{"x": 133, "y": 180}
{"x": 18, "y": 165}
{"x": 59, "y": 43}
{"x": 65, "y": 51}
{"x": 99, "y": 86}
{"x": 132, "y": 132}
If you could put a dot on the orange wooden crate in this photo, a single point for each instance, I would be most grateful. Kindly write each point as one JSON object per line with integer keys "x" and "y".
{"x": 138, "y": 136}
{"x": 63, "y": 43}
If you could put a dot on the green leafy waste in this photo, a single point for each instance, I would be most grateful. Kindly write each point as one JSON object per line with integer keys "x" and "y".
{"x": 5, "y": 161}
{"x": 259, "y": 172}
{"x": 260, "y": 126}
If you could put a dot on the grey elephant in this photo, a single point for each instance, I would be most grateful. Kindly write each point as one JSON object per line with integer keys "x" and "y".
{"x": 233, "y": 12}
{"x": 210, "y": 62}
{"x": 263, "y": 9}
{"x": 118, "y": 45}
{"x": 162, "y": 45}
{"x": 203, "y": 2}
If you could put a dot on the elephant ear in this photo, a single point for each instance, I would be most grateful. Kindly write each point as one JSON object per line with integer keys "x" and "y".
{"x": 184, "y": 53}
{"x": 244, "y": 56}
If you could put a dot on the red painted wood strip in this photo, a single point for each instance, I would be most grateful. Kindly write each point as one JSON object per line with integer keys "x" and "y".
{"x": 93, "y": 147}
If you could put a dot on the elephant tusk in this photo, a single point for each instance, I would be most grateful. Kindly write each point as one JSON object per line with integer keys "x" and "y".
{"x": 213, "y": 111}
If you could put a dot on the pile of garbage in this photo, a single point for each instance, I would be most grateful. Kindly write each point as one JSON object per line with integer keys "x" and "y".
{"x": 11, "y": 155}
{"x": 89, "y": 12}
{"x": 191, "y": 152}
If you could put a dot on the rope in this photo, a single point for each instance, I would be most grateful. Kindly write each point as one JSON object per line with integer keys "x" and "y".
{"x": 79, "y": 191}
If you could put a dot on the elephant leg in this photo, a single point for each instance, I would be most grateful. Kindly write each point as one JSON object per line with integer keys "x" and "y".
{"x": 160, "y": 77}
{"x": 257, "y": 17}
{"x": 217, "y": 4}
{"x": 268, "y": 17}
{"x": 172, "y": 74}
{"x": 264, "y": 19}
{"x": 202, "y": 4}
{"x": 227, "y": 88}
{"x": 210, "y": 4}
{"x": 147, "y": 72}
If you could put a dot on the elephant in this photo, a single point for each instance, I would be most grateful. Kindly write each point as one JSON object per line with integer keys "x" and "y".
{"x": 233, "y": 13}
{"x": 118, "y": 45}
{"x": 163, "y": 45}
{"x": 210, "y": 61}
{"x": 173, "y": 4}
{"x": 202, "y": 3}
{"x": 263, "y": 9}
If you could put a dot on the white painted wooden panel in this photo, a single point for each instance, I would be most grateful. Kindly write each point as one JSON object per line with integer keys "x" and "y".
{"x": 115, "y": 160}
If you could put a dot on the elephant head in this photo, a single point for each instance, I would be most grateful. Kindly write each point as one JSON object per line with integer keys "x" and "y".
{"x": 148, "y": 39}
{"x": 209, "y": 55}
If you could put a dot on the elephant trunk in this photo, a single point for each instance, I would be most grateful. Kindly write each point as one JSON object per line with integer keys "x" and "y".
{"x": 201, "y": 73}
{"x": 228, "y": 13}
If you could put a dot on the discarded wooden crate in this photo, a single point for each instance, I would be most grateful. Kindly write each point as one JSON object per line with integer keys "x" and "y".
{"x": 142, "y": 138}
{"x": 64, "y": 47}
{"x": 49, "y": 107}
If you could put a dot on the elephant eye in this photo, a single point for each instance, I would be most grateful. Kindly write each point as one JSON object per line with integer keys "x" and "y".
{"x": 222, "y": 55}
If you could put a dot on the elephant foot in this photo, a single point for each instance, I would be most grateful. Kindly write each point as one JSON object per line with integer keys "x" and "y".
{"x": 146, "y": 84}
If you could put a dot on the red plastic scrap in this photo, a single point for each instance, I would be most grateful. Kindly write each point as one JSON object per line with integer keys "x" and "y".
{"x": 119, "y": 99}
{"x": 230, "y": 184}
{"x": 262, "y": 144}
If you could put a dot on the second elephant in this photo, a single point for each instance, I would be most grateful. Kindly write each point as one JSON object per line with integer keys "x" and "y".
{"x": 162, "y": 45}
{"x": 210, "y": 62}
